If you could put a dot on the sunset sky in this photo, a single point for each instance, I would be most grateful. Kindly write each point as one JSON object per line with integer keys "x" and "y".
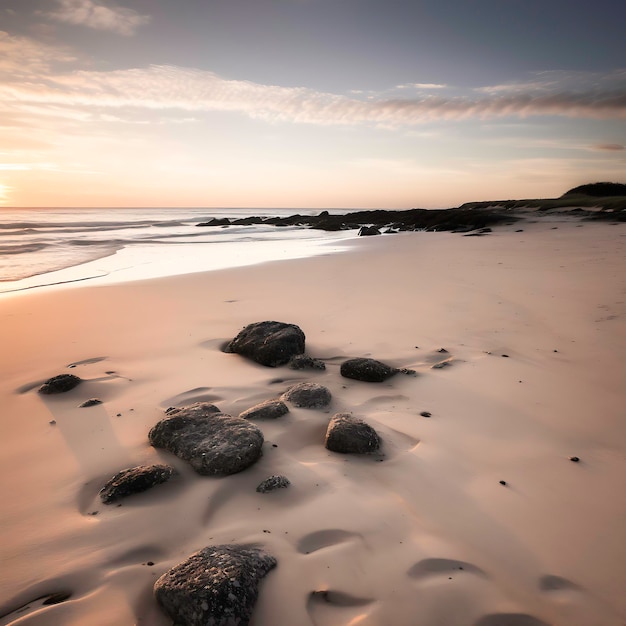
{"x": 308, "y": 103}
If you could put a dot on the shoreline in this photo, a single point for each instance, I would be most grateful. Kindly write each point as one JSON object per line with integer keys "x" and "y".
{"x": 549, "y": 545}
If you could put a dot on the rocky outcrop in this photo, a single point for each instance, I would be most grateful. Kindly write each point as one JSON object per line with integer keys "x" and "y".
{"x": 308, "y": 396}
{"x": 268, "y": 343}
{"x": 351, "y": 435}
{"x": 272, "y": 483}
{"x": 368, "y": 370}
{"x": 270, "y": 409}
{"x": 217, "y": 586}
{"x": 134, "y": 480}
{"x": 368, "y": 231}
{"x": 60, "y": 384}
{"x": 214, "y": 444}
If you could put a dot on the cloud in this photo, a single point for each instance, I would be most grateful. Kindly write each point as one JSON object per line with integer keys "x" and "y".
{"x": 22, "y": 56}
{"x": 421, "y": 86}
{"x": 99, "y": 16}
{"x": 85, "y": 94}
{"x": 608, "y": 146}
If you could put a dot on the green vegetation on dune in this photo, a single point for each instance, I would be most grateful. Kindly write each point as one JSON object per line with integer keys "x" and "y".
{"x": 599, "y": 200}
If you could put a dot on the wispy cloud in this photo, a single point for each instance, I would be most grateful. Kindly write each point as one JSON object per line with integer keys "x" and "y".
{"x": 610, "y": 147}
{"x": 86, "y": 94}
{"x": 99, "y": 16}
{"x": 421, "y": 86}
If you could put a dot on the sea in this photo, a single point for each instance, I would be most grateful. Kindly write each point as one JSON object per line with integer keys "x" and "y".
{"x": 48, "y": 247}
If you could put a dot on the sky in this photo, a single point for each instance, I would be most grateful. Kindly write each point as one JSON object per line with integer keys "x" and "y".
{"x": 308, "y": 103}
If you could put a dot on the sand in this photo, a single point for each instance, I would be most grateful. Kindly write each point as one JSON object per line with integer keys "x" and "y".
{"x": 426, "y": 536}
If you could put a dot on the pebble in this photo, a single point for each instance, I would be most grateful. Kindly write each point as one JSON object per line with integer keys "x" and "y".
{"x": 503, "y": 482}
{"x": 425, "y": 414}
{"x": 574, "y": 459}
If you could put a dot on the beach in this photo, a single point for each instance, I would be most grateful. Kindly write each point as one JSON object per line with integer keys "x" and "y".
{"x": 526, "y": 328}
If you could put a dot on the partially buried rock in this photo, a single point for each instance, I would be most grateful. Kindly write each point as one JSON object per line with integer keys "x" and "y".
{"x": 270, "y": 409}
{"x": 90, "y": 402}
{"x": 272, "y": 483}
{"x": 217, "y": 586}
{"x": 367, "y": 231}
{"x": 308, "y": 396}
{"x": 367, "y": 370}
{"x": 304, "y": 362}
{"x": 214, "y": 444}
{"x": 350, "y": 435}
{"x": 60, "y": 384}
{"x": 134, "y": 480}
{"x": 268, "y": 343}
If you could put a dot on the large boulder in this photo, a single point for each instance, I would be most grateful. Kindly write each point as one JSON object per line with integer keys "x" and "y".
{"x": 350, "y": 435}
{"x": 308, "y": 396}
{"x": 60, "y": 384}
{"x": 270, "y": 409}
{"x": 217, "y": 586}
{"x": 214, "y": 444}
{"x": 134, "y": 480}
{"x": 268, "y": 343}
{"x": 368, "y": 370}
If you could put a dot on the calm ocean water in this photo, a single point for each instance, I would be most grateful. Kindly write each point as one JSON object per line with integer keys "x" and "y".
{"x": 39, "y": 247}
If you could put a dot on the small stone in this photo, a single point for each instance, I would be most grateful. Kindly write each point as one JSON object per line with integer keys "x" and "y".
{"x": 503, "y": 482}
{"x": 150, "y": 563}
{"x": 505, "y": 356}
{"x": 574, "y": 459}
{"x": 90, "y": 402}
{"x": 52, "y": 422}
{"x": 304, "y": 362}
{"x": 272, "y": 483}
{"x": 367, "y": 370}
{"x": 60, "y": 384}
{"x": 347, "y": 434}
{"x": 270, "y": 409}
{"x": 425, "y": 413}
{"x": 134, "y": 480}
{"x": 308, "y": 395}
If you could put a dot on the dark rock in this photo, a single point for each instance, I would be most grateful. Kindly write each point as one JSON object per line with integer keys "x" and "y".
{"x": 134, "y": 480}
{"x": 216, "y": 221}
{"x": 270, "y": 409}
{"x": 268, "y": 343}
{"x": 367, "y": 231}
{"x": 60, "y": 384}
{"x": 214, "y": 444}
{"x": 217, "y": 586}
{"x": 368, "y": 370}
{"x": 574, "y": 459}
{"x": 272, "y": 483}
{"x": 308, "y": 396}
{"x": 503, "y": 483}
{"x": 351, "y": 435}
{"x": 426, "y": 414}
{"x": 304, "y": 362}
{"x": 198, "y": 409}
{"x": 90, "y": 402}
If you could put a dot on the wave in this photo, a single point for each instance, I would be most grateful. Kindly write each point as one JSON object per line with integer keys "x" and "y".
{"x": 22, "y": 248}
